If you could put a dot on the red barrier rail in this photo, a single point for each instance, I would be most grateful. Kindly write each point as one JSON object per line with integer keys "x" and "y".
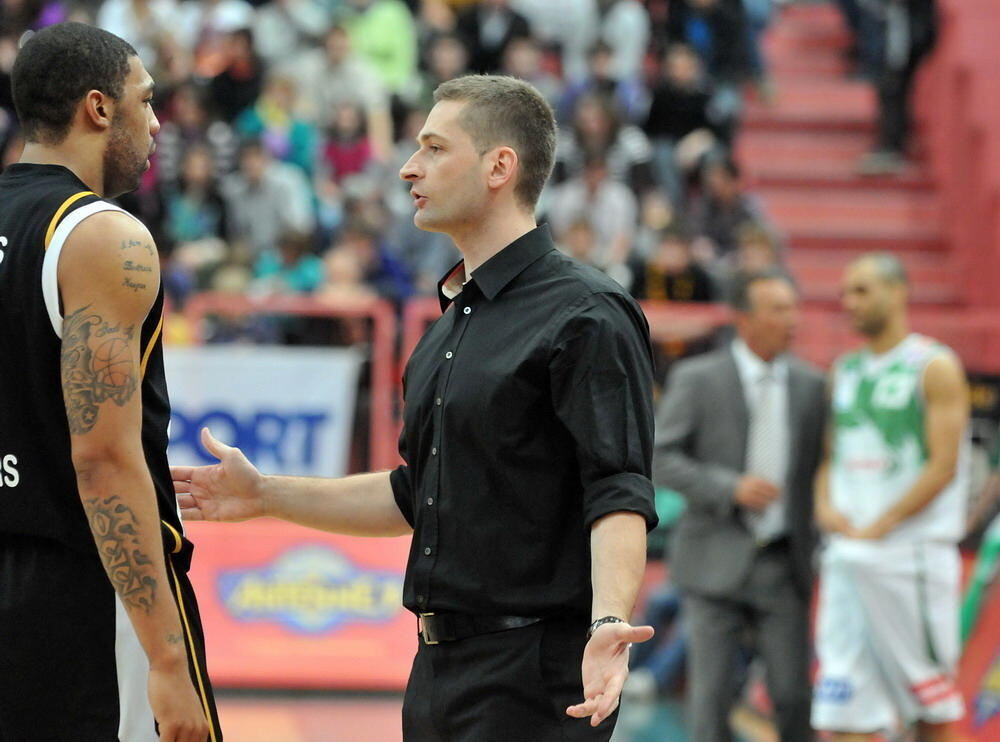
{"x": 382, "y": 433}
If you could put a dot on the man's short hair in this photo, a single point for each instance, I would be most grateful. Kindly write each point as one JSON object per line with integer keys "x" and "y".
{"x": 888, "y": 266}
{"x": 739, "y": 299}
{"x": 505, "y": 111}
{"x": 57, "y": 67}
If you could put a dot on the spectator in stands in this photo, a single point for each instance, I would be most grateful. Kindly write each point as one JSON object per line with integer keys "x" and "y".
{"x": 383, "y": 33}
{"x": 344, "y": 279}
{"x": 148, "y": 25}
{"x": 347, "y": 149}
{"x": 624, "y": 25}
{"x": 272, "y": 120}
{"x": 266, "y": 199}
{"x": 597, "y": 128}
{"x": 756, "y": 249}
{"x": 758, "y": 17}
{"x": 237, "y": 86}
{"x": 910, "y": 29}
{"x": 570, "y": 26}
{"x": 610, "y": 207}
{"x": 188, "y": 125}
{"x": 656, "y": 213}
{"x": 195, "y": 225}
{"x": 523, "y": 59}
{"x": 487, "y": 29}
{"x": 865, "y": 51}
{"x": 380, "y": 270}
{"x": 723, "y": 207}
{"x": 334, "y": 74}
{"x": 671, "y": 273}
{"x": 739, "y": 434}
{"x": 579, "y": 241}
{"x": 203, "y": 29}
{"x": 628, "y": 94}
{"x": 290, "y": 268}
{"x": 284, "y": 27}
{"x": 447, "y": 58}
{"x": 716, "y": 30}
{"x": 679, "y": 108}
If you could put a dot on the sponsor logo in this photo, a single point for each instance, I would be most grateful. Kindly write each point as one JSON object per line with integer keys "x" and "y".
{"x": 286, "y": 439}
{"x": 311, "y": 589}
{"x": 834, "y": 690}
{"x": 987, "y": 704}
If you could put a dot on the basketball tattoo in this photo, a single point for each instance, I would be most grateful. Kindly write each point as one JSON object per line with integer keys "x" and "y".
{"x": 97, "y": 365}
{"x": 130, "y": 570}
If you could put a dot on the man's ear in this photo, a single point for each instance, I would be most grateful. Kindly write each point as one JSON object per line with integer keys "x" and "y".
{"x": 98, "y": 109}
{"x": 504, "y": 164}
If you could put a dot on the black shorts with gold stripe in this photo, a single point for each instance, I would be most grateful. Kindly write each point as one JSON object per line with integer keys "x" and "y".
{"x": 71, "y": 666}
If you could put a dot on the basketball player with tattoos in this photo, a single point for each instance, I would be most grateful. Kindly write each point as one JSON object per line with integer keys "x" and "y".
{"x": 100, "y": 638}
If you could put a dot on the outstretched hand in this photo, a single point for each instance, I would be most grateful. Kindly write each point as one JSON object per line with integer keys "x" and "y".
{"x": 227, "y": 491}
{"x": 605, "y": 667}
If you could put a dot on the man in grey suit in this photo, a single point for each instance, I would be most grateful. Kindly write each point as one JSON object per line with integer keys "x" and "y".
{"x": 739, "y": 434}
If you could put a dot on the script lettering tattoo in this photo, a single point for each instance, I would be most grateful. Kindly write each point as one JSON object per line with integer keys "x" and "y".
{"x": 129, "y": 244}
{"x": 131, "y": 266}
{"x": 97, "y": 366}
{"x": 129, "y": 569}
{"x": 130, "y": 284}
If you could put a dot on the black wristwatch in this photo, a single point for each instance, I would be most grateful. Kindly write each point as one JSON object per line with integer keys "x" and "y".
{"x": 600, "y": 622}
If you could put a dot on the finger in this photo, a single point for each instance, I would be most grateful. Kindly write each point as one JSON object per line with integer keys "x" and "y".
{"x": 181, "y": 473}
{"x": 609, "y": 698}
{"x": 214, "y": 446}
{"x": 604, "y": 713}
{"x": 638, "y": 634}
{"x": 181, "y": 487}
{"x": 192, "y": 513}
{"x": 186, "y": 501}
{"x": 583, "y": 710}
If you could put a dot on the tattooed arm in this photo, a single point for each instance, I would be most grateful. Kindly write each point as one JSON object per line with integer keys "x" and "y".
{"x": 108, "y": 279}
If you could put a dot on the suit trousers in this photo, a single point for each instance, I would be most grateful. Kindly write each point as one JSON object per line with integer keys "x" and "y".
{"x": 502, "y": 687}
{"x": 769, "y": 609}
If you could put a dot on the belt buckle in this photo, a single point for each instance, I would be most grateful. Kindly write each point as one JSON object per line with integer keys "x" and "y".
{"x": 423, "y": 630}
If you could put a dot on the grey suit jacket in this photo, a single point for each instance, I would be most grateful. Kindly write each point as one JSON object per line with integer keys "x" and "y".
{"x": 700, "y": 451}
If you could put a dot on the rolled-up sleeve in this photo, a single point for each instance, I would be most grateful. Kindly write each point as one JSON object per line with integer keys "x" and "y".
{"x": 402, "y": 491}
{"x": 601, "y": 375}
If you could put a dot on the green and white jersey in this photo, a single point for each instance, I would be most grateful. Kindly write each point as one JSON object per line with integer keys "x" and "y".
{"x": 879, "y": 446}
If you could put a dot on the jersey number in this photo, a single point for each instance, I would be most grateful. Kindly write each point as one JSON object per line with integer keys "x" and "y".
{"x": 3, "y": 244}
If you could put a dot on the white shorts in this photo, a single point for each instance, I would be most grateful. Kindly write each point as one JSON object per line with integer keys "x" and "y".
{"x": 887, "y": 636}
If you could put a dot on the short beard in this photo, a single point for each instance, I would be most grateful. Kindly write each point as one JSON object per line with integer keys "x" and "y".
{"x": 123, "y": 164}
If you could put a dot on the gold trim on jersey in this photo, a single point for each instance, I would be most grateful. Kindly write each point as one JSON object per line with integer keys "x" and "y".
{"x": 178, "y": 542}
{"x": 194, "y": 653}
{"x": 149, "y": 347}
{"x": 62, "y": 210}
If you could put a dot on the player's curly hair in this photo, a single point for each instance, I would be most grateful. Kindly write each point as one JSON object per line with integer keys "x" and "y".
{"x": 56, "y": 68}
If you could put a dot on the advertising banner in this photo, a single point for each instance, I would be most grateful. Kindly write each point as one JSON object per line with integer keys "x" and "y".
{"x": 289, "y": 409}
{"x": 288, "y": 607}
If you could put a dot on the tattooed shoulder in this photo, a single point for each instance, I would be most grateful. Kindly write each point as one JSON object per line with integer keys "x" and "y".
{"x": 97, "y": 364}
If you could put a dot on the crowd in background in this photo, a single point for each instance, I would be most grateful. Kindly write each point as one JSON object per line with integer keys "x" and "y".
{"x": 285, "y": 123}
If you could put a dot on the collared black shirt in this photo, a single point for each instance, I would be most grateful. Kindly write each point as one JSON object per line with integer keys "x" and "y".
{"x": 528, "y": 416}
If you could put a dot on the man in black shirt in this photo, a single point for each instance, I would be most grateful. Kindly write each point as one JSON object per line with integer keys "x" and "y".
{"x": 527, "y": 442}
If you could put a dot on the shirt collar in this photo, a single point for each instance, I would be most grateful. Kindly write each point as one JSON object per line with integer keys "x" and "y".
{"x": 494, "y": 275}
{"x": 752, "y": 367}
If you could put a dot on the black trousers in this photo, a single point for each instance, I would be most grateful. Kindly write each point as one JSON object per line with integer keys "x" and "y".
{"x": 70, "y": 666}
{"x": 510, "y": 686}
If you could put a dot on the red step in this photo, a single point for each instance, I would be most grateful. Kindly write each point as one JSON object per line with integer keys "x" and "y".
{"x": 863, "y": 209}
{"x": 828, "y": 105}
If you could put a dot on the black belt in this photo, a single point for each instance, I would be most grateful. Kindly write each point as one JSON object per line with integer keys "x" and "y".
{"x": 450, "y": 627}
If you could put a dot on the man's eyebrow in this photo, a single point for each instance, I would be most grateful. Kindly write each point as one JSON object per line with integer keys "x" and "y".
{"x": 149, "y": 87}
{"x": 425, "y": 135}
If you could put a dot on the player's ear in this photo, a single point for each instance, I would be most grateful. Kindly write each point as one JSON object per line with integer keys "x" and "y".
{"x": 98, "y": 109}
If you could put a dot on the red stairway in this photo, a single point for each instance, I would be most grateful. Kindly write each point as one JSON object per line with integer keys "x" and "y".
{"x": 801, "y": 155}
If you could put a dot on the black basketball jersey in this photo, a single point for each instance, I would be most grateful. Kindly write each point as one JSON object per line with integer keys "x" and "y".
{"x": 39, "y": 207}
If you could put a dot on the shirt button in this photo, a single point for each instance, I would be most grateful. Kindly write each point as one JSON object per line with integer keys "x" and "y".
{"x": 434, "y": 451}
{"x": 438, "y": 401}
{"x": 467, "y": 310}
{"x": 427, "y": 551}
{"x": 430, "y": 500}
{"x": 449, "y": 354}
